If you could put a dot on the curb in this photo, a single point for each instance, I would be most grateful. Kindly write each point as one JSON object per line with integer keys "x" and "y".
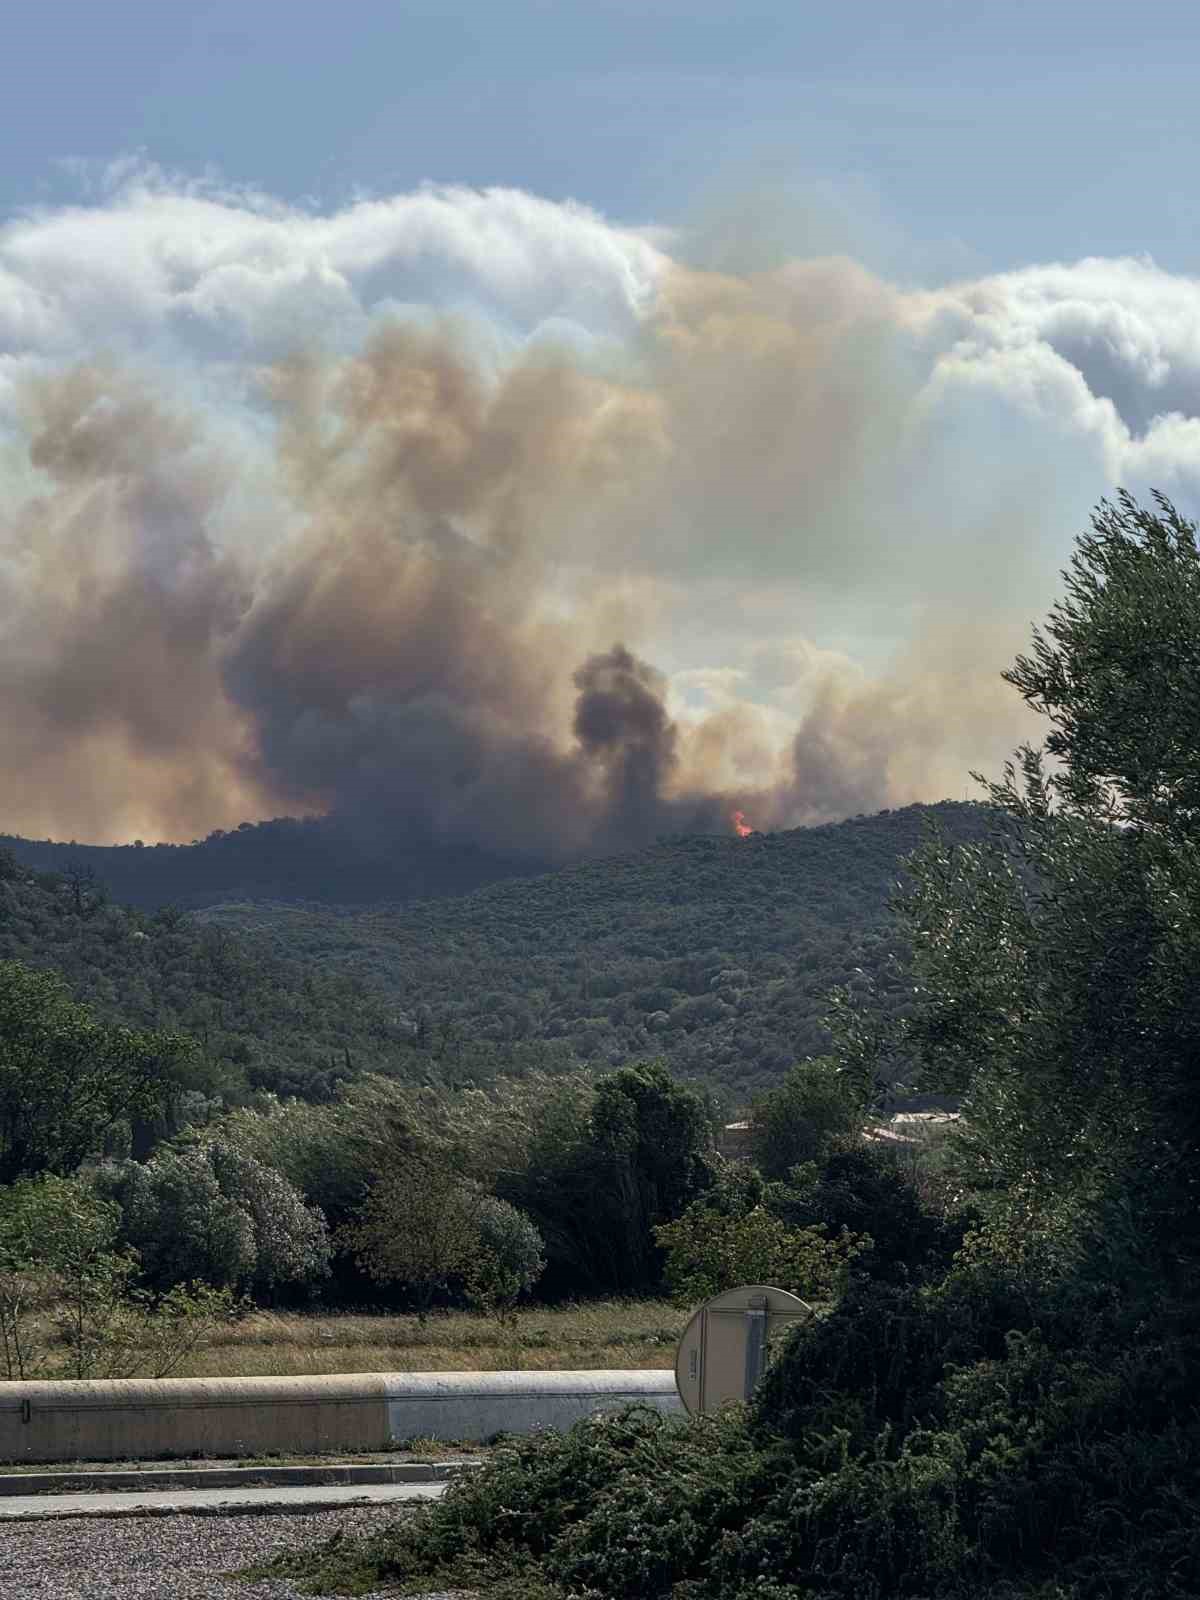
{"x": 155, "y": 1479}
{"x": 229, "y": 1508}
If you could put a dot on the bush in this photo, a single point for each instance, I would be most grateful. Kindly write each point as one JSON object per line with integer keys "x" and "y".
{"x": 709, "y": 1251}
{"x": 213, "y": 1214}
{"x": 798, "y": 1121}
{"x": 68, "y": 1307}
{"x": 291, "y": 1240}
{"x": 974, "y": 1441}
{"x": 616, "y": 1505}
{"x": 174, "y": 1215}
{"x": 510, "y": 1260}
{"x": 418, "y": 1228}
{"x": 862, "y": 1189}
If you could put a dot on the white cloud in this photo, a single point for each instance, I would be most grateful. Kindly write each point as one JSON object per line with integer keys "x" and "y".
{"x": 1109, "y": 348}
{"x": 191, "y": 270}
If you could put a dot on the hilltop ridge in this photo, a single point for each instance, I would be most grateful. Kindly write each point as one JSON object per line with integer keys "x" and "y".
{"x": 285, "y": 858}
{"x": 715, "y": 952}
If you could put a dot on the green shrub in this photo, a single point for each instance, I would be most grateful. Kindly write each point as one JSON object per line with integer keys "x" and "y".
{"x": 709, "y": 1251}
{"x": 798, "y": 1121}
{"x": 968, "y": 1442}
{"x": 214, "y": 1214}
{"x": 862, "y": 1189}
{"x": 68, "y": 1305}
{"x": 510, "y": 1259}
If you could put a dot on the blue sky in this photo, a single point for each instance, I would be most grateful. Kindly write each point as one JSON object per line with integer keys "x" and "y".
{"x": 935, "y": 138}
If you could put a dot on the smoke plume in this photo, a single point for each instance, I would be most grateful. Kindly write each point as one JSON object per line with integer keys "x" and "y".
{"x": 606, "y": 548}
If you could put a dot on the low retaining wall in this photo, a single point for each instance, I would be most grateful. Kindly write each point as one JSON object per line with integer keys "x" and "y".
{"x": 131, "y": 1419}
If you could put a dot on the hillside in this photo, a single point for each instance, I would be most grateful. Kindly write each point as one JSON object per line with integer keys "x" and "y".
{"x": 283, "y": 859}
{"x": 716, "y": 953}
{"x": 263, "y": 1020}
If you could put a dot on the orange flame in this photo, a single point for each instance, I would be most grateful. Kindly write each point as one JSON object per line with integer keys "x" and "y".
{"x": 740, "y": 826}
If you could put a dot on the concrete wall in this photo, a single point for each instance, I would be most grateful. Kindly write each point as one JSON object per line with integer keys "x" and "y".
{"x": 159, "y": 1419}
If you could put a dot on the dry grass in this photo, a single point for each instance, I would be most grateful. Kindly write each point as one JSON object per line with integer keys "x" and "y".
{"x": 602, "y": 1333}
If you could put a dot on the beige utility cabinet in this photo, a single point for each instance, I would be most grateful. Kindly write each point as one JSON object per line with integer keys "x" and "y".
{"x": 723, "y": 1352}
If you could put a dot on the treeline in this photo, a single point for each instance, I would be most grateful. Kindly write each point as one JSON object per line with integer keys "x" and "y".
{"x": 284, "y": 858}
{"x": 718, "y": 955}
{"x": 120, "y": 1208}
{"x": 263, "y": 1021}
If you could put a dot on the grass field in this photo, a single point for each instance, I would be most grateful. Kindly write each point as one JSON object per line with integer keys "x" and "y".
{"x": 601, "y": 1333}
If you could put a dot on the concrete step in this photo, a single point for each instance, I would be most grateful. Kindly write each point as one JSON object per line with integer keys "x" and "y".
{"x": 246, "y": 1501}
{"x": 148, "y": 1479}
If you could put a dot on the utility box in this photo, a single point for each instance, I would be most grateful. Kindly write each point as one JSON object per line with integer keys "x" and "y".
{"x": 723, "y": 1352}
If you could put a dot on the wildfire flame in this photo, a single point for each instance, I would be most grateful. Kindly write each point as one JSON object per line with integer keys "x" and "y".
{"x": 740, "y": 826}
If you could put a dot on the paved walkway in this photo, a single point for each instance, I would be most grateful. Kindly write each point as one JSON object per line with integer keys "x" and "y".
{"x": 212, "y": 1502}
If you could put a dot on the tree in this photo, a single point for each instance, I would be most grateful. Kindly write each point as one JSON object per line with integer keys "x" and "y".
{"x": 180, "y": 1223}
{"x": 291, "y": 1240}
{"x": 86, "y": 891}
{"x": 1115, "y": 672}
{"x": 798, "y": 1121}
{"x": 1056, "y": 965}
{"x": 211, "y": 1212}
{"x": 913, "y": 1225}
{"x": 652, "y": 1138}
{"x": 68, "y": 1305}
{"x": 418, "y": 1227}
{"x": 710, "y": 1251}
{"x": 510, "y": 1260}
{"x": 332, "y": 1153}
{"x": 65, "y": 1078}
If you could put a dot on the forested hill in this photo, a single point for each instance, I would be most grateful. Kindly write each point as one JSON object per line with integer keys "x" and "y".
{"x": 283, "y": 859}
{"x": 716, "y": 953}
{"x": 262, "y": 1019}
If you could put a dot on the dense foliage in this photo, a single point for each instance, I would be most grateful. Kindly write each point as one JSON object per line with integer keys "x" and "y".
{"x": 1016, "y": 1421}
{"x": 286, "y": 858}
{"x": 66, "y": 1078}
{"x": 798, "y": 1120}
{"x": 260, "y": 1019}
{"x": 212, "y": 1212}
{"x": 716, "y": 954}
{"x": 70, "y": 1300}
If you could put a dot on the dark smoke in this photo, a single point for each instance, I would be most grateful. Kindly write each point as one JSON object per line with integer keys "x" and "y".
{"x": 624, "y": 733}
{"x": 412, "y": 627}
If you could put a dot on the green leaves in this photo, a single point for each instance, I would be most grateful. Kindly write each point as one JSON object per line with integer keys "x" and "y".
{"x": 1116, "y": 669}
{"x": 795, "y": 1123}
{"x": 68, "y": 1305}
{"x": 710, "y": 1251}
{"x": 65, "y": 1078}
{"x": 1056, "y": 965}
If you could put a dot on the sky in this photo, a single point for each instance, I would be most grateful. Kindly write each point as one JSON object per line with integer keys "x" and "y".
{"x": 562, "y": 421}
{"x": 973, "y": 136}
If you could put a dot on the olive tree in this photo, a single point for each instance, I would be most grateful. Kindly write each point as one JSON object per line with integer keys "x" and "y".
{"x": 800, "y": 1119}
{"x": 418, "y": 1227}
{"x": 214, "y": 1213}
{"x": 1056, "y": 964}
{"x": 69, "y": 1305}
{"x": 510, "y": 1258}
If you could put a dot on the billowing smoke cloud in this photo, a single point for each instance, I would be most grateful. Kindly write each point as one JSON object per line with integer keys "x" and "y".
{"x": 388, "y": 513}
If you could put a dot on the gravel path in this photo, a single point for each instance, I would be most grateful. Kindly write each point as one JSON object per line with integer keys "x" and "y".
{"x": 164, "y": 1558}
